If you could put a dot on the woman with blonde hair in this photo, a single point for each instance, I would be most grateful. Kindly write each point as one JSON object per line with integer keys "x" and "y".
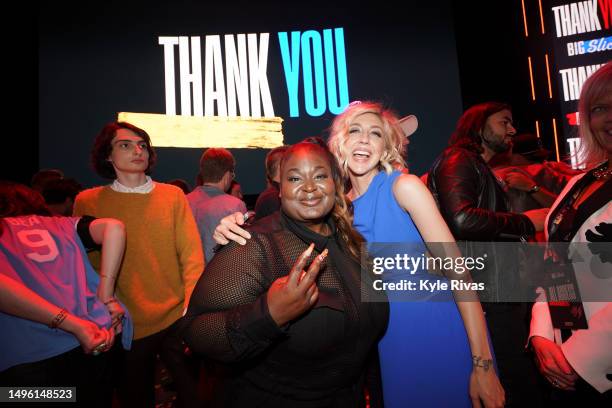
{"x": 577, "y": 364}
{"x": 444, "y": 343}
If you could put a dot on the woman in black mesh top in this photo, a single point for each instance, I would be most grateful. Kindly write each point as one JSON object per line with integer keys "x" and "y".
{"x": 288, "y": 310}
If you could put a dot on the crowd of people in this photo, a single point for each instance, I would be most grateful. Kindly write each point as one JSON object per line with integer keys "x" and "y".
{"x": 278, "y": 306}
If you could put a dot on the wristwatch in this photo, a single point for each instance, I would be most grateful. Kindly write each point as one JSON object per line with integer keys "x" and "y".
{"x": 534, "y": 189}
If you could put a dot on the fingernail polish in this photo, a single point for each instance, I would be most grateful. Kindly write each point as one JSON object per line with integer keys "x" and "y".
{"x": 323, "y": 255}
{"x": 310, "y": 248}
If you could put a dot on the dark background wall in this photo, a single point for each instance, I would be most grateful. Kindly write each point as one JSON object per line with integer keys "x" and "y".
{"x": 433, "y": 61}
{"x": 490, "y": 53}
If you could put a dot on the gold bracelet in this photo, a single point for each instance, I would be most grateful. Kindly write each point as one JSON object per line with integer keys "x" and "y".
{"x": 58, "y": 319}
{"x": 109, "y": 301}
{"x": 107, "y": 276}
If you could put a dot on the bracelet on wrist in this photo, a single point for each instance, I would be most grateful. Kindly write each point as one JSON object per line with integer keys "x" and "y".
{"x": 103, "y": 275}
{"x": 534, "y": 189}
{"x": 478, "y": 361}
{"x": 110, "y": 300}
{"x": 58, "y": 319}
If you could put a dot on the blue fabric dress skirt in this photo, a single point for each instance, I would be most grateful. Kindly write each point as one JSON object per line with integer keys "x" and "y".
{"x": 425, "y": 355}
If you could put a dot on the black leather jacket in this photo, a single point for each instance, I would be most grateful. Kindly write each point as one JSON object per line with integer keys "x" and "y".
{"x": 471, "y": 199}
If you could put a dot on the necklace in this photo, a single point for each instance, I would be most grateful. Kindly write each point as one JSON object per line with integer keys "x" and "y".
{"x": 602, "y": 173}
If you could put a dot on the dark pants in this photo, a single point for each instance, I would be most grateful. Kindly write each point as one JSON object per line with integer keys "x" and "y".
{"x": 137, "y": 369}
{"x": 584, "y": 396}
{"x": 518, "y": 374}
{"x": 91, "y": 375}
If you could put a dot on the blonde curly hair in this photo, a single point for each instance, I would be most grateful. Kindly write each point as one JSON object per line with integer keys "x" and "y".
{"x": 395, "y": 140}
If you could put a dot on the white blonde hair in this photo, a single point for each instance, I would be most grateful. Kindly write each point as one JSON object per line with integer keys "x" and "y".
{"x": 596, "y": 86}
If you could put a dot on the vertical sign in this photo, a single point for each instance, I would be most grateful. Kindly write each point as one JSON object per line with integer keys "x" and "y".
{"x": 582, "y": 42}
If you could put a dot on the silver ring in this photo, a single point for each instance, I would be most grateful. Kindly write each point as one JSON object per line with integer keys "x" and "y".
{"x": 98, "y": 349}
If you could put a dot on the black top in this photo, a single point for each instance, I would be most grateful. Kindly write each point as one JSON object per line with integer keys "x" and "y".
{"x": 84, "y": 234}
{"x": 471, "y": 199}
{"x": 565, "y": 220}
{"x": 317, "y": 360}
{"x": 267, "y": 203}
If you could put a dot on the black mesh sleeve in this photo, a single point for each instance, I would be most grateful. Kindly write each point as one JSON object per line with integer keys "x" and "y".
{"x": 228, "y": 311}
{"x": 84, "y": 234}
{"x": 373, "y": 379}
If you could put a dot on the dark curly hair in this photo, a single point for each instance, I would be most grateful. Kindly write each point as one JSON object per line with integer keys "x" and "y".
{"x": 470, "y": 125}
{"x": 273, "y": 160}
{"x": 17, "y": 199}
{"x": 102, "y": 149}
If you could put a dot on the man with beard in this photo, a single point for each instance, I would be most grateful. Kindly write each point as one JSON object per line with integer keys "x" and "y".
{"x": 470, "y": 197}
{"x": 474, "y": 205}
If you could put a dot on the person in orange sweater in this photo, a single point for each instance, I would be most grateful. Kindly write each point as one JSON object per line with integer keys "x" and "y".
{"x": 163, "y": 259}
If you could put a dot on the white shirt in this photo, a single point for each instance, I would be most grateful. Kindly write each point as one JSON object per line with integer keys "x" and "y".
{"x": 145, "y": 188}
{"x": 589, "y": 351}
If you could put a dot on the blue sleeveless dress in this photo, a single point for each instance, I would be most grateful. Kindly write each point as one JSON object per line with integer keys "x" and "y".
{"x": 425, "y": 355}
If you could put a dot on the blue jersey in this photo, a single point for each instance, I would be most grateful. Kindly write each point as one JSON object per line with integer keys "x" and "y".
{"x": 46, "y": 255}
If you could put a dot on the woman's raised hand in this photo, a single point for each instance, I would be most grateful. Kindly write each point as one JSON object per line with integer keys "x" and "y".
{"x": 290, "y": 296}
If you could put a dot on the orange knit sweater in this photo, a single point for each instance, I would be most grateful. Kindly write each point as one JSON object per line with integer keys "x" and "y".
{"x": 163, "y": 256}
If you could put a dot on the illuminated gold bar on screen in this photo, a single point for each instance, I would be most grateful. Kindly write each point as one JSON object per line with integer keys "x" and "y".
{"x": 208, "y": 131}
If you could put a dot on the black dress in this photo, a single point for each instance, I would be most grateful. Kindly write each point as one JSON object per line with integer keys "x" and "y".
{"x": 318, "y": 359}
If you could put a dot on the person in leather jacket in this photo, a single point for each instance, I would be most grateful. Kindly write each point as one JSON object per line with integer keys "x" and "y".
{"x": 471, "y": 198}
{"x": 473, "y": 203}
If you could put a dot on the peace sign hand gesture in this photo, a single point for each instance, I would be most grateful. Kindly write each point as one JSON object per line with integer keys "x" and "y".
{"x": 292, "y": 295}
